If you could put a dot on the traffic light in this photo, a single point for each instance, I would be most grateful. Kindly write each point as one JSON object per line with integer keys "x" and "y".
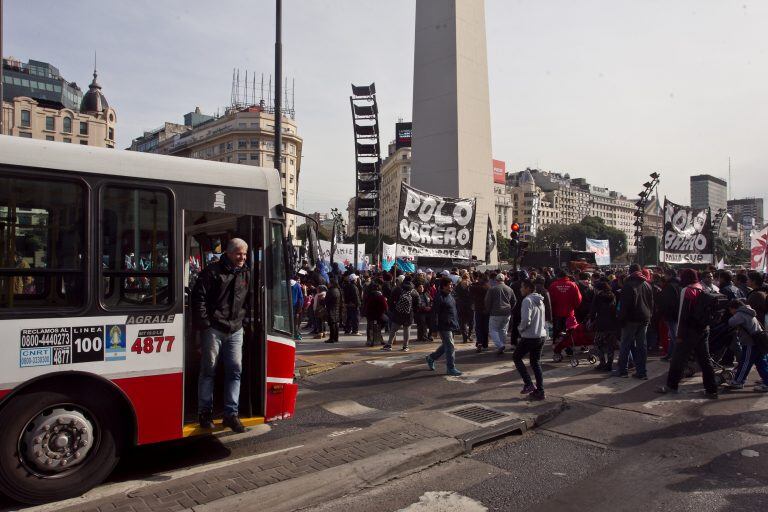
{"x": 515, "y": 233}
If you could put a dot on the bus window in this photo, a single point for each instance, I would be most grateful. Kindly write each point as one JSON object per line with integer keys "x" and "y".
{"x": 42, "y": 232}
{"x": 135, "y": 233}
{"x": 280, "y": 303}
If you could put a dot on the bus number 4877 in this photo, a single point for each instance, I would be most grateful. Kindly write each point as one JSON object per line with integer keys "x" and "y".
{"x": 152, "y": 344}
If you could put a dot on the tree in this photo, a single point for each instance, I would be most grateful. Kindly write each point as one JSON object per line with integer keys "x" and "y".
{"x": 575, "y": 235}
{"x": 502, "y": 244}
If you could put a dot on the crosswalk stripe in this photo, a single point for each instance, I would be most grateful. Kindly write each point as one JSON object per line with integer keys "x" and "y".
{"x": 613, "y": 385}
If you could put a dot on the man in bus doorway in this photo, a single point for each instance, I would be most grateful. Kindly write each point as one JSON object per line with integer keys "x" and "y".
{"x": 219, "y": 306}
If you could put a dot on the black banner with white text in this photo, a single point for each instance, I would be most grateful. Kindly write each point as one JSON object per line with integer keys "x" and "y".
{"x": 434, "y": 226}
{"x": 688, "y": 236}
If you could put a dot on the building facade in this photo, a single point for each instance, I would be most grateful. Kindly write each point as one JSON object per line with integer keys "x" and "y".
{"x": 395, "y": 169}
{"x": 241, "y": 135}
{"x": 709, "y": 192}
{"x": 39, "y": 103}
{"x": 745, "y": 210}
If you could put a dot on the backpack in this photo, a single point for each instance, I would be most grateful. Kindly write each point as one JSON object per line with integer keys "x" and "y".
{"x": 404, "y": 304}
{"x": 707, "y": 310}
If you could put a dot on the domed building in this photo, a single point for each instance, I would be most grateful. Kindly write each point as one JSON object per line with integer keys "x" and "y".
{"x": 39, "y": 103}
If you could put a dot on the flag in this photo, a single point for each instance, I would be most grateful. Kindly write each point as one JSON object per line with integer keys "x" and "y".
{"x": 721, "y": 264}
{"x": 490, "y": 241}
{"x": 387, "y": 256}
{"x": 759, "y": 249}
{"x": 334, "y": 235}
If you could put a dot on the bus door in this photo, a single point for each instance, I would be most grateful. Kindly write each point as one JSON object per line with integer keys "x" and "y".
{"x": 206, "y": 235}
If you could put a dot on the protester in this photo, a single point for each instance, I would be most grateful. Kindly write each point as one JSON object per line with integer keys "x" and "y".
{"x": 333, "y": 305}
{"x": 352, "y": 301}
{"x": 605, "y": 323}
{"x": 636, "y": 307}
{"x": 464, "y": 307}
{"x": 727, "y": 288}
{"x": 478, "y": 289}
{"x": 402, "y": 306}
{"x": 320, "y": 311}
{"x": 447, "y": 322}
{"x": 753, "y": 340}
{"x": 565, "y": 297}
{"x": 692, "y": 336}
{"x": 375, "y": 308}
{"x": 708, "y": 282}
{"x": 499, "y": 302}
{"x": 423, "y": 313}
{"x": 758, "y": 297}
{"x": 669, "y": 306}
{"x": 532, "y": 334}
{"x": 297, "y": 297}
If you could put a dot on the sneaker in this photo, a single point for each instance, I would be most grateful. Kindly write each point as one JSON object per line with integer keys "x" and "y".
{"x": 623, "y": 375}
{"x": 664, "y": 390}
{"x": 234, "y": 423}
{"x": 500, "y": 351}
{"x": 478, "y": 349}
{"x": 537, "y": 395}
{"x": 430, "y": 363}
{"x": 454, "y": 372}
{"x": 528, "y": 389}
{"x": 404, "y": 349}
{"x": 733, "y": 385}
{"x": 206, "y": 420}
{"x": 387, "y": 348}
{"x": 639, "y": 377}
{"x": 761, "y": 388}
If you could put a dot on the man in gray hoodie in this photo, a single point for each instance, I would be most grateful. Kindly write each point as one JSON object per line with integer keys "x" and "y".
{"x": 499, "y": 302}
{"x": 533, "y": 331}
{"x": 752, "y": 338}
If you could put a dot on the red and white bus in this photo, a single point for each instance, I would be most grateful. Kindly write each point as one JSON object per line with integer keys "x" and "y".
{"x": 98, "y": 251}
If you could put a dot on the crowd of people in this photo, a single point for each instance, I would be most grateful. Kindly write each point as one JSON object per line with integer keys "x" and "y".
{"x": 629, "y": 313}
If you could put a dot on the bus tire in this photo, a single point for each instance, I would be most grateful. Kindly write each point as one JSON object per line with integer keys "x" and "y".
{"x": 86, "y": 421}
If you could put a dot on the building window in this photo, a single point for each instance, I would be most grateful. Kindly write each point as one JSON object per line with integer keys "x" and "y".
{"x": 241, "y": 157}
{"x": 254, "y": 143}
{"x": 136, "y": 234}
{"x": 45, "y": 267}
{"x": 83, "y": 142}
{"x": 26, "y": 135}
{"x": 25, "y": 118}
{"x": 242, "y": 144}
{"x": 50, "y": 123}
{"x": 67, "y": 125}
{"x": 67, "y": 139}
{"x": 255, "y": 156}
{"x": 49, "y": 138}
{"x": 83, "y": 128}
{"x": 111, "y": 134}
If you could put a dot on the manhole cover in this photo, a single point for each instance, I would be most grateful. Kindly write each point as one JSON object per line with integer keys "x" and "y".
{"x": 477, "y": 414}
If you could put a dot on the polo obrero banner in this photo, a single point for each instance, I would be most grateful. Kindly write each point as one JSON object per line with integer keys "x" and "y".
{"x": 434, "y": 226}
{"x": 688, "y": 236}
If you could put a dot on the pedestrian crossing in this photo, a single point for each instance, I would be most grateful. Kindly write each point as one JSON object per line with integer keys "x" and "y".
{"x": 613, "y": 385}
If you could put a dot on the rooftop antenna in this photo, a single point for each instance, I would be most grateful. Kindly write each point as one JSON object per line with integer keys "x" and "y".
{"x": 269, "y": 92}
{"x": 246, "y": 87}
{"x": 261, "y": 97}
{"x": 253, "y": 89}
{"x": 293, "y": 95}
{"x": 730, "y": 180}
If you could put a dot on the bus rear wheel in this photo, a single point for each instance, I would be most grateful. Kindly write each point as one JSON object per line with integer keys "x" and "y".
{"x": 57, "y": 444}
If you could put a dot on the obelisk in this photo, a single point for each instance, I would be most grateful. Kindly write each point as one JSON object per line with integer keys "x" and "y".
{"x": 451, "y": 144}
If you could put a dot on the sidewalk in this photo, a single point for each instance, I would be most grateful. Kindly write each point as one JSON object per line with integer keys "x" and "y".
{"x": 334, "y": 466}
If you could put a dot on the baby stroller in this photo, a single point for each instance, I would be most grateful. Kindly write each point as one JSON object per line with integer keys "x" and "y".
{"x": 576, "y": 335}
{"x": 720, "y": 338}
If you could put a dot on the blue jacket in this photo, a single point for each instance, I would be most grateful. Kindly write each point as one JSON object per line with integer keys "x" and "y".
{"x": 444, "y": 309}
{"x": 297, "y": 296}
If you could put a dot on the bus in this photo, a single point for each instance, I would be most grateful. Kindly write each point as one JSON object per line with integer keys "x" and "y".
{"x": 99, "y": 250}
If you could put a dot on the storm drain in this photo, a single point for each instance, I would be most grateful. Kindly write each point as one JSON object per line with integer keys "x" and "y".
{"x": 477, "y": 414}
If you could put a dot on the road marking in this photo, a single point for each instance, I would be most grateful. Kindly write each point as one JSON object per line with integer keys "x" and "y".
{"x": 614, "y": 385}
{"x": 348, "y": 408}
{"x": 445, "y": 501}
{"x": 135, "y": 485}
{"x": 389, "y": 362}
{"x": 345, "y": 432}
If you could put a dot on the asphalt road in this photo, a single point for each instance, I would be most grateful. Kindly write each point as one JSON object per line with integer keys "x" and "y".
{"x": 617, "y": 447}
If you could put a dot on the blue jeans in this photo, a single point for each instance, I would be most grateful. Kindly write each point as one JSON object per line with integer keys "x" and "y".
{"x": 750, "y": 356}
{"x": 231, "y": 345}
{"x": 633, "y": 340}
{"x": 672, "y": 328}
{"x": 446, "y": 348}
{"x": 497, "y": 329}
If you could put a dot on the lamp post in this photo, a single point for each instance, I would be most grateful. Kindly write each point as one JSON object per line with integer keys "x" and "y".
{"x": 645, "y": 194}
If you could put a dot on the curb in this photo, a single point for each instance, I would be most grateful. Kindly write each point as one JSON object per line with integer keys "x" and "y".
{"x": 336, "y": 482}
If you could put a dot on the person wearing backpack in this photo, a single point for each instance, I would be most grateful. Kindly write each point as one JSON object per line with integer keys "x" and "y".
{"x": 635, "y": 311}
{"x": 447, "y": 319}
{"x": 404, "y": 302}
{"x": 754, "y": 342}
{"x": 669, "y": 307}
{"x": 692, "y": 335}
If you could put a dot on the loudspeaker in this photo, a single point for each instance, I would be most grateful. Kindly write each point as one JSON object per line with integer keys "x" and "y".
{"x": 650, "y": 250}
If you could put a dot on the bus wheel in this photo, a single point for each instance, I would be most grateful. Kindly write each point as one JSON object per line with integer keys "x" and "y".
{"x": 57, "y": 444}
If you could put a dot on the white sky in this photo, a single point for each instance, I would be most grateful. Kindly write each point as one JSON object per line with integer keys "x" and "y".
{"x": 610, "y": 90}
